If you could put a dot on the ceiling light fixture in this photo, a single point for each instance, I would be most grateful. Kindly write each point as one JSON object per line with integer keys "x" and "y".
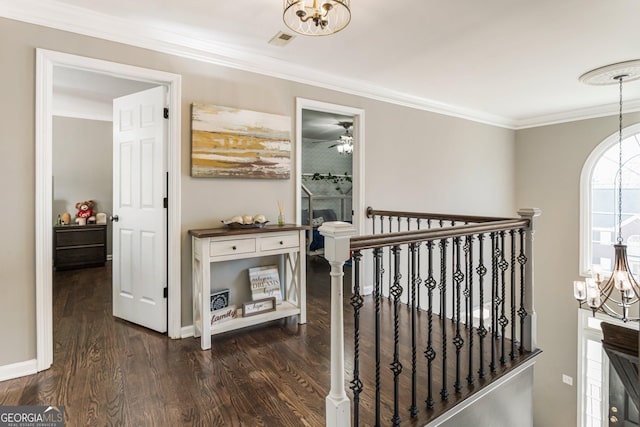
{"x": 320, "y": 18}
{"x": 597, "y": 293}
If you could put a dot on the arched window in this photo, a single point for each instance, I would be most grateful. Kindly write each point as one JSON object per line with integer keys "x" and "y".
{"x": 599, "y": 202}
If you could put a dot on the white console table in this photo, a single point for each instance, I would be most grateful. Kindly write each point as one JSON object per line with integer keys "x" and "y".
{"x": 221, "y": 244}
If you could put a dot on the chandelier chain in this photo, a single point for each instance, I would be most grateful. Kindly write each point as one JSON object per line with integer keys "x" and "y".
{"x": 620, "y": 240}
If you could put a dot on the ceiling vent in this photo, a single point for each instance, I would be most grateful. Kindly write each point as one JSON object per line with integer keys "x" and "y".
{"x": 281, "y": 39}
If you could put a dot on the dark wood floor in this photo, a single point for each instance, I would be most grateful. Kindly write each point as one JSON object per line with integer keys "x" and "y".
{"x": 110, "y": 372}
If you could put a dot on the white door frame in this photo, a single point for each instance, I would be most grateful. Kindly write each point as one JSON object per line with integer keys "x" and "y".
{"x": 358, "y": 155}
{"x": 46, "y": 60}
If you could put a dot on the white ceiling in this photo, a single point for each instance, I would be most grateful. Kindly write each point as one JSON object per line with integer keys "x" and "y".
{"x": 511, "y": 63}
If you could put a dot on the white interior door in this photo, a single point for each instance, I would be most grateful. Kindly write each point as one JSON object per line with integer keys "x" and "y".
{"x": 139, "y": 217}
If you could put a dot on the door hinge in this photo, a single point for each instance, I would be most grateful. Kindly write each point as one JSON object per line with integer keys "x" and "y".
{"x": 165, "y": 203}
{"x": 166, "y": 292}
{"x": 166, "y": 113}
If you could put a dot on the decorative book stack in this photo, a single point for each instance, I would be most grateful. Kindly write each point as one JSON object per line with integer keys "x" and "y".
{"x": 265, "y": 283}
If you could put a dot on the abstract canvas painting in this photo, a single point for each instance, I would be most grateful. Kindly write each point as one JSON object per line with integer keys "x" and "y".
{"x": 232, "y": 143}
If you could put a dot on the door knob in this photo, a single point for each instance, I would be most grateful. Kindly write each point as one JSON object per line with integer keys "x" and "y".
{"x": 114, "y": 218}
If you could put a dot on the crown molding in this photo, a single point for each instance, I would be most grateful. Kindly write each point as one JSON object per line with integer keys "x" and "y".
{"x": 78, "y": 20}
{"x": 631, "y": 106}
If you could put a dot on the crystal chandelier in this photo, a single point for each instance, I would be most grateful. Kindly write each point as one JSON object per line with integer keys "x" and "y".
{"x": 615, "y": 295}
{"x": 316, "y": 17}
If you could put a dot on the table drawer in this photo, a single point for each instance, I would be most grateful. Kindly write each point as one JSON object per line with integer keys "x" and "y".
{"x": 232, "y": 247}
{"x": 278, "y": 242}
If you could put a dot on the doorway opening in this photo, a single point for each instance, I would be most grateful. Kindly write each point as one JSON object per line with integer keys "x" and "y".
{"x": 48, "y": 62}
{"x": 330, "y": 167}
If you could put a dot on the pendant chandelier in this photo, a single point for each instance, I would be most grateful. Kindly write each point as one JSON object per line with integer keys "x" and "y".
{"x": 316, "y": 17}
{"x": 614, "y": 295}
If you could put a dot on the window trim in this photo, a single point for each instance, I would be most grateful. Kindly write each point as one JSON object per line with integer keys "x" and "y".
{"x": 585, "y": 255}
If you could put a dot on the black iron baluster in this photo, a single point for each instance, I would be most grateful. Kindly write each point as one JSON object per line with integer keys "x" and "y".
{"x": 458, "y": 277}
{"x": 495, "y": 252}
{"x": 396, "y": 366}
{"x": 468, "y": 276}
{"x": 522, "y": 312}
{"x": 503, "y": 265}
{"x": 390, "y": 259}
{"x": 419, "y": 267}
{"x": 482, "y": 331}
{"x": 430, "y": 353}
{"x": 377, "y": 255}
{"x": 453, "y": 294}
{"x": 382, "y": 270}
{"x": 411, "y": 289}
{"x": 413, "y": 247}
{"x": 469, "y": 300}
{"x": 356, "y": 303}
{"x": 443, "y": 315}
{"x": 443, "y": 301}
{"x": 512, "y": 235}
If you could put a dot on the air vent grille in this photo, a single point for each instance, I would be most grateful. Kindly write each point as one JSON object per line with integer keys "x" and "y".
{"x": 281, "y": 39}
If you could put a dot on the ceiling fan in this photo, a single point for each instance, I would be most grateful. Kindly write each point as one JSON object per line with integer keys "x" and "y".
{"x": 344, "y": 143}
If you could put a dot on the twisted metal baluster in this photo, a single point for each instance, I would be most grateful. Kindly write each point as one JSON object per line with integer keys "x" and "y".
{"x": 396, "y": 366}
{"x": 430, "y": 354}
{"x": 503, "y": 265}
{"x": 443, "y": 315}
{"x": 453, "y": 294}
{"x": 410, "y": 298}
{"x": 413, "y": 247}
{"x": 390, "y": 259}
{"x": 495, "y": 252}
{"x": 522, "y": 312}
{"x": 469, "y": 299}
{"x": 482, "y": 331}
{"x": 356, "y": 303}
{"x": 512, "y": 235}
{"x": 382, "y": 270}
{"x": 419, "y": 267}
{"x": 377, "y": 255}
{"x": 458, "y": 277}
{"x": 468, "y": 277}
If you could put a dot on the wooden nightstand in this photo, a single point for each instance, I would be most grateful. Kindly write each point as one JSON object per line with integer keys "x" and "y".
{"x": 78, "y": 246}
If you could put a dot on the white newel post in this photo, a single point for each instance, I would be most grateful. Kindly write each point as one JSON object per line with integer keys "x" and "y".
{"x": 529, "y": 339}
{"x": 337, "y": 237}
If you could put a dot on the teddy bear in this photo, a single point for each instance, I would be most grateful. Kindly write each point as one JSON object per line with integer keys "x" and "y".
{"x": 85, "y": 212}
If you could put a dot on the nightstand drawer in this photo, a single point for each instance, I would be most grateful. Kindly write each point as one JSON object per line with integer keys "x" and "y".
{"x": 232, "y": 247}
{"x": 279, "y": 242}
{"x": 79, "y": 237}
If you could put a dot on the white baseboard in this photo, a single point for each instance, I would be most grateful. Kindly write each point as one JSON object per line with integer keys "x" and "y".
{"x": 17, "y": 370}
{"x": 187, "y": 331}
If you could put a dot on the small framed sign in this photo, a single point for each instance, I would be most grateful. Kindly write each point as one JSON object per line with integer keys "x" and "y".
{"x": 259, "y": 306}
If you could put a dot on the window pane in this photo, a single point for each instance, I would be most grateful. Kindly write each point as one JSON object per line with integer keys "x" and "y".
{"x": 604, "y": 203}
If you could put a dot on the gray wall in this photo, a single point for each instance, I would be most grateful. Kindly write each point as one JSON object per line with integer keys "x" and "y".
{"x": 549, "y": 161}
{"x": 82, "y": 166}
{"x": 507, "y": 406}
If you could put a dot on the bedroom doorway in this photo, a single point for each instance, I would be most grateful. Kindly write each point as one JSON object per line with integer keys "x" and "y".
{"x": 327, "y": 172}
{"x": 47, "y": 62}
{"x": 330, "y": 167}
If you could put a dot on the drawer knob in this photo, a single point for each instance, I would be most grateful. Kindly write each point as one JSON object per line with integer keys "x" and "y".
{"x": 234, "y": 248}
{"x": 281, "y": 242}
